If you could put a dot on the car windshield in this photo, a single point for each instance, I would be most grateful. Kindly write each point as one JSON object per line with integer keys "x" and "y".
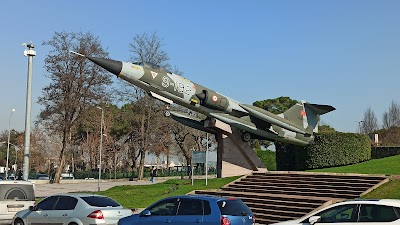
{"x": 100, "y": 201}
{"x": 234, "y": 207}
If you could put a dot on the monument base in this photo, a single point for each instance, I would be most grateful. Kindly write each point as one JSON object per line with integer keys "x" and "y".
{"x": 234, "y": 156}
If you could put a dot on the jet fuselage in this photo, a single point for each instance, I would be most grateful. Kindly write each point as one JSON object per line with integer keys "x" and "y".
{"x": 295, "y": 126}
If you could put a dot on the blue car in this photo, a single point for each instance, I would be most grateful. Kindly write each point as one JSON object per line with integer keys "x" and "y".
{"x": 193, "y": 209}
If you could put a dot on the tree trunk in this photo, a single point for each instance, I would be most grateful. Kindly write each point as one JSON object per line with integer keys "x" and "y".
{"x": 142, "y": 152}
{"x": 62, "y": 156}
{"x": 168, "y": 162}
{"x": 115, "y": 165}
{"x": 59, "y": 170}
{"x": 188, "y": 160}
{"x": 141, "y": 166}
{"x": 73, "y": 163}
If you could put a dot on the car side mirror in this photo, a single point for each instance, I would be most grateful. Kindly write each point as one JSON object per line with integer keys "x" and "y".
{"x": 146, "y": 213}
{"x": 314, "y": 219}
{"x": 32, "y": 208}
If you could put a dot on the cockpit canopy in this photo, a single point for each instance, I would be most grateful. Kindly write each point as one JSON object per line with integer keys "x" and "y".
{"x": 152, "y": 66}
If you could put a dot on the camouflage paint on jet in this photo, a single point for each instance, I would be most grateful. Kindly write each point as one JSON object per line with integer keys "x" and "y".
{"x": 297, "y": 125}
{"x": 150, "y": 76}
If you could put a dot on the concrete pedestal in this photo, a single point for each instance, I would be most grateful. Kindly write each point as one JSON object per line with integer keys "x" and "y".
{"x": 234, "y": 156}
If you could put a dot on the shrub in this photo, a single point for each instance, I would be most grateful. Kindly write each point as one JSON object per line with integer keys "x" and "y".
{"x": 327, "y": 150}
{"x": 268, "y": 157}
{"x": 383, "y": 151}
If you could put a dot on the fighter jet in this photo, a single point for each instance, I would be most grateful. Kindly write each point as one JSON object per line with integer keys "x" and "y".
{"x": 296, "y": 126}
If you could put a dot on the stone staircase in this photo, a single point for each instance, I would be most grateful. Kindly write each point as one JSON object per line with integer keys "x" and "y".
{"x": 281, "y": 196}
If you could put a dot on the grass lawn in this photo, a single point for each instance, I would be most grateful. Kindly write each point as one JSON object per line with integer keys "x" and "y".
{"x": 386, "y": 166}
{"x": 141, "y": 196}
{"x": 388, "y": 190}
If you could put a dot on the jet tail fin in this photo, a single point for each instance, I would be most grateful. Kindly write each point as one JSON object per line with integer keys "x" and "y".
{"x": 306, "y": 115}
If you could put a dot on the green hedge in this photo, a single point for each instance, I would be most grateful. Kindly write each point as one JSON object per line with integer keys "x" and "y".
{"x": 268, "y": 158}
{"x": 382, "y": 152}
{"x": 327, "y": 150}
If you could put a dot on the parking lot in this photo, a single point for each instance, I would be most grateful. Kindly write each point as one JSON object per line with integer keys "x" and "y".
{"x": 44, "y": 189}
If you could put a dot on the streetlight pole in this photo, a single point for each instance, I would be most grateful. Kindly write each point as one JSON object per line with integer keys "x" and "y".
{"x": 206, "y": 161}
{"x": 8, "y": 142}
{"x": 16, "y": 157}
{"x": 30, "y": 53}
{"x": 359, "y": 126}
{"x": 101, "y": 145}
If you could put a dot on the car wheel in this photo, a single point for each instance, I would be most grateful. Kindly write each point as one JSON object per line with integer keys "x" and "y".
{"x": 18, "y": 222}
{"x": 72, "y": 224}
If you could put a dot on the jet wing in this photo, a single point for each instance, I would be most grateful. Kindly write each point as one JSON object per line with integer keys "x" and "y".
{"x": 244, "y": 125}
{"x": 272, "y": 118}
{"x": 191, "y": 121}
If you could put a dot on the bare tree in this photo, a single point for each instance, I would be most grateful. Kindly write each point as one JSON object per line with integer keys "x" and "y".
{"x": 76, "y": 84}
{"x": 369, "y": 123}
{"x": 181, "y": 133}
{"x": 392, "y": 117}
{"x": 390, "y": 137}
{"x": 148, "y": 111}
{"x": 147, "y": 48}
{"x": 87, "y": 136}
{"x": 187, "y": 138}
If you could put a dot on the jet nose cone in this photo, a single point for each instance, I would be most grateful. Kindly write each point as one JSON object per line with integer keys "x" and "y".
{"x": 113, "y": 66}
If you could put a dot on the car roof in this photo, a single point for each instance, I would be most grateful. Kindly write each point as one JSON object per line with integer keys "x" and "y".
{"x": 16, "y": 182}
{"x": 80, "y": 195}
{"x": 387, "y": 202}
{"x": 391, "y": 202}
{"x": 203, "y": 197}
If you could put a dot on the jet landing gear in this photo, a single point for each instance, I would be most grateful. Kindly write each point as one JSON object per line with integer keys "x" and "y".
{"x": 167, "y": 113}
{"x": 246, "y": 137}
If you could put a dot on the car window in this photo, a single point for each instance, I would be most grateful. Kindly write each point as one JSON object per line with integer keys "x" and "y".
{"x": 66, "y": 203}
{"x": 339, "y": 214}
{"x": 233, "y": 207}
{"x": 100, "y": 201}
{"x": 47, "y": 204}
{"x": 397, "y": 209}
{"x": 164, "y": 208}
{"x": 207, "y": 208}
{"x": 377, "y": 213}
{"x": 190, "y": 207}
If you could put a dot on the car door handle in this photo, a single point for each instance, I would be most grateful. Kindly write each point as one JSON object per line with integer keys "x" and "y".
{"x": 65, "y": 214}
{"x": 167, "y": 221}
{"x": 197, "y": 221}
{"x": 45, "y": 215}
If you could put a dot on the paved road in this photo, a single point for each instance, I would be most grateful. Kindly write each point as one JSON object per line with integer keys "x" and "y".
{"x": 46, "y": 189}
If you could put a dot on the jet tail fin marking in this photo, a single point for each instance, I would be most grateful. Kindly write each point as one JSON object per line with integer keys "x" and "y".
{"x": 307, "y": 115}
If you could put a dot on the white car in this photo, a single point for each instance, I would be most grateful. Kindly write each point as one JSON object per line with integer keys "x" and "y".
{"x": 354, "y": 212}
{"x": 15, "y": 195}
{"x": 69, "y": 176}
{"x": 73, "y": 209}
